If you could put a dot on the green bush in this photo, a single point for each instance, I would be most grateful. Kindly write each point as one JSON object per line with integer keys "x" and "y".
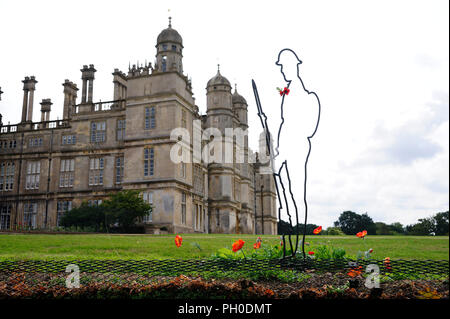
{"x": 84, "y": 216}
{"x": 119, "y": 213}
{"x": 334, "y": 231}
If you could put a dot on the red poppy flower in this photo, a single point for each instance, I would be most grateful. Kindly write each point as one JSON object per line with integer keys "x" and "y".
{"x": 310, "y": 253}
{"x": 387, "y": 263}
{"x": 355, "y": 272}
{"x": 317, "y": 230}
{"x": 284, "y": 91}
{"x": 238, "y": 245}
{"x": 257, "y": 245}
{"x": 178, "y": 240}
{"x": 362, "y": 234}
{"x": 370, "y": 250}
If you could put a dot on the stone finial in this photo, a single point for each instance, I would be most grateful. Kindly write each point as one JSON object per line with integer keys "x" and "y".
{"x": 1, "y": 93}
{"x": 170, "y": 22}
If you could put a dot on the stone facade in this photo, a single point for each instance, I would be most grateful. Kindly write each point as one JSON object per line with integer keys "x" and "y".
{"x": 48, "y": 167}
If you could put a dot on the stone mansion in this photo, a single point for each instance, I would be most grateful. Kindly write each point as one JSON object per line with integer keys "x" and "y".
{"x": 97, "y": 148}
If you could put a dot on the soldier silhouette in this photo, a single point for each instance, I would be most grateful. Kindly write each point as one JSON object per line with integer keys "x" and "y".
{"x": 299, "y": 119}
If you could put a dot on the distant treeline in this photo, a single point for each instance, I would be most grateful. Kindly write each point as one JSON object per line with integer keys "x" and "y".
{"x": 350, "y": 223}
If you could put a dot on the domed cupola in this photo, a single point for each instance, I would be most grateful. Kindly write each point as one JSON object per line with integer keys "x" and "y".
{"x": 240, "y": 108}
{"x": 169, "y": 35}
{"x": 218, "y": 92}
{"x": 237, "y": 98}
{"x": 218, "y": 80}
{"x": 169, "y": 48}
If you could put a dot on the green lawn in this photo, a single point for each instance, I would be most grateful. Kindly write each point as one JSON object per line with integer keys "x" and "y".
{"x": 104, "y": 246}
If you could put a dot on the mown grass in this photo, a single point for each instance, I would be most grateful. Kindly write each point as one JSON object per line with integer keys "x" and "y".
{"x": 104, "y": 246}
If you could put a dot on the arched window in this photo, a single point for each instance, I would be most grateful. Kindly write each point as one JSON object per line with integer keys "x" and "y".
{"x": 164, "y": 63}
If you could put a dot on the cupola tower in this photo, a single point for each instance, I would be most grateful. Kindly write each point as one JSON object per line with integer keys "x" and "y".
{"x": 169, "y": 50}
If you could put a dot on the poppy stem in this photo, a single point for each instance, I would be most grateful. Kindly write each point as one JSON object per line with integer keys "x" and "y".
{"x": 243, "y": 253}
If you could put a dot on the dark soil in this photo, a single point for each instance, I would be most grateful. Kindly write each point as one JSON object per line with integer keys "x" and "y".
{"x": 318, "y": 286}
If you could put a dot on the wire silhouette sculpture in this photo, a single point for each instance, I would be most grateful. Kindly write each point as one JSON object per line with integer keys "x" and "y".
{"x": 284, "y": 166}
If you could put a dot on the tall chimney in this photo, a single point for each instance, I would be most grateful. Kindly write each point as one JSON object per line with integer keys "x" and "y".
{"x": 46, "y": 106}
{"x": 25, "y": 98}
{"x": 87, "y": 75}
{"x": 29, "y": 86}
{"x": 32, "y": 88}
{"x": 120, "y": 86}
{"x": 70, "y": 97}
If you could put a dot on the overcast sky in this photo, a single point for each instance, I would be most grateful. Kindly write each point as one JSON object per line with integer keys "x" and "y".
{"x": 380, "y": 69}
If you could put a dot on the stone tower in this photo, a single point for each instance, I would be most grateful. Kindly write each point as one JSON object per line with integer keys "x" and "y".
{"x": 241, "y": 120}
{"x": 169, "y": 49}
{"x": 243, "y": 168}
{"x": 158, "y": 101}
{"x": 223, "y": 205}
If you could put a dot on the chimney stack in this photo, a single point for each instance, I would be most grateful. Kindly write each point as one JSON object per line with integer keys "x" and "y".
{"x": 120, "y": 85}
{"x": 70, "y": 98}
{"x": 29, "y": 86}
{"x": 87, "y": 74}
{"x": 46, "y": 106}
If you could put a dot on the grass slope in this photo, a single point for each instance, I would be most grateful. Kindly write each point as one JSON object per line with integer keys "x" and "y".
{"x": 104, "y": 246}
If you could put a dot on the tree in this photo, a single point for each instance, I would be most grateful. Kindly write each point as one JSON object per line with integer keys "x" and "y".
{"x": 397, "y": 228}
{"x": 85, "y": 216}
{"x": 424, "y": 227}
{"x": 126, "y": 208}
{"x": 367, "y": 223}
{"x": 123, "y": 208}
{"x": 437, "y": 224}
{"x": 334, "y": 231}
{"x": 348, "y": 222}
{"x": 383, "y": 229}
{"x": 309, "y": 228}
{"x": 441, "y": 223}
{"x": 351, "y": 223}
{"x": 286, "y": 229}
